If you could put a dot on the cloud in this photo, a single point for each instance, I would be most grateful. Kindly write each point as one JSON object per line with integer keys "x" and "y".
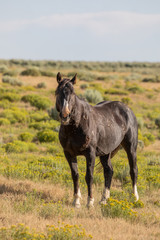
{"x": 101, "y": 23}
{"x": 11, "y": 26}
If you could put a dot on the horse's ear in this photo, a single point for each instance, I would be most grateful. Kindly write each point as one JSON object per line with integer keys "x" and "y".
{"x": 59, "y": 77}
{"x": 73, "y": 80}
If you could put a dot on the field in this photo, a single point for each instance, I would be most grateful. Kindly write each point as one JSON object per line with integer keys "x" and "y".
{"x": 35, "y": 181}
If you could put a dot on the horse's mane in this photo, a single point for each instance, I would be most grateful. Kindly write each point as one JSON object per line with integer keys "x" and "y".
{"x": 81, "y": 110}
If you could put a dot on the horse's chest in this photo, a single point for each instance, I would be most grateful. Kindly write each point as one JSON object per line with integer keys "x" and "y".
{"x": 74, "y": 142}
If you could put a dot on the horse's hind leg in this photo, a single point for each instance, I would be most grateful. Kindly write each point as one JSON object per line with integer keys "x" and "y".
{"x": 130, "y": 145}
{"x": 108, "y": 173}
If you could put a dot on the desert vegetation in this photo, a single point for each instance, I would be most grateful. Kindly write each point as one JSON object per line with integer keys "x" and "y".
{"x": 35, "y": 180}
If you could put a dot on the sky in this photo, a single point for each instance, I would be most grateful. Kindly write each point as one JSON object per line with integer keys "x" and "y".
{"x": 82, "y": 30}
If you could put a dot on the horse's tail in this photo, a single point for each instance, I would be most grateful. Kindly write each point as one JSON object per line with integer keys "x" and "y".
{"x": 116, "y": 150}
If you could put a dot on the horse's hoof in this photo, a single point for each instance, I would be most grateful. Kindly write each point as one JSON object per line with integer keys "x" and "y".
{"x": 90, "y": 206}
{"x": 76, "y": 203}
{"x": 77, "y": 206}
{"x": 90, "y": 202}
{"x": 103, "y": 202}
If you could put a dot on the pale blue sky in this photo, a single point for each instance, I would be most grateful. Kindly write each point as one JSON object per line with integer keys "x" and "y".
{"x": 90, "y": 30}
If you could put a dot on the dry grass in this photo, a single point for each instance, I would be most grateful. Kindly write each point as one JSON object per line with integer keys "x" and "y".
{"x": 154, "y": 146}
{"x": 15, "y": 191}
{"x": 51, "y": 82}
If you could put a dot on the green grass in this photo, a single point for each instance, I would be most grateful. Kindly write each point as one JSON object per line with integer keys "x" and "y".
{"x": 30, "y": 149}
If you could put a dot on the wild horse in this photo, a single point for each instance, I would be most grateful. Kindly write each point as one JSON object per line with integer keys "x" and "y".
{"x": 92, "y": 131}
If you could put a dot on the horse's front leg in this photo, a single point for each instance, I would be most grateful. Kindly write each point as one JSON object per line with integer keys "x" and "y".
{"x": 75, "y": 176}
{"x": 90, "y": 162}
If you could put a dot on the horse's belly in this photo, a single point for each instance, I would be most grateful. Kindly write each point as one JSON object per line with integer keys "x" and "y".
{"x": 109, "y": 139}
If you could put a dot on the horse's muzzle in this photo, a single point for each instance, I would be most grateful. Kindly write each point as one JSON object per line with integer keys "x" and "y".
{"x": 65, "y": 120}
{"x": 65, "y": 114}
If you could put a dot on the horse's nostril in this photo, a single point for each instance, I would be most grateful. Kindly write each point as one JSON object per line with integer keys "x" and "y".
{"x": 64, "y": 118}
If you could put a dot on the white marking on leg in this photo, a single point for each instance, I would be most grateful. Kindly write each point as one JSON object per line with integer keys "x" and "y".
{"x": 90, "y": 202}
{"x": 105, "y": 195}
{"x": 135, "y": 192}
{"x": 77, "y": 197}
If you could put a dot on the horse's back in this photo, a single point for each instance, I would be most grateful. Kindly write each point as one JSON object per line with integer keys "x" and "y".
{"x": 116, "y": 111}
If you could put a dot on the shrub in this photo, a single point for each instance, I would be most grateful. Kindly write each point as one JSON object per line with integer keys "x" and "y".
{"x": 52, "y": 124}
{"x": 38, "y": 116}
{"x": 83, "y": 75}
{"x": 140, "y": 122}
{"x": 126, "y": 100}
{"x": 38, "y": 125}
{"x": 138, "y": 204}
{"x": 63, "y": 232}
{"x": 41, "y": 85}
{"x": 6, "y": 104}
{"x": 32, "y": 147}
{"x": 147, "y": 138}
{"x": 157, "y": 121}
{"x": 47, "y": 136}
{"x": 135, "y": 89}
{"x": 15, "y": 115}
{"x": 155, "y": 79}
{"x": 47, "y": 74}
{"x": 98, "y": 87}
{"x": 151, "y": 96}
{"x": 16, "y": 146}
{"x": 84, "y": 86}
{"x": 20, "y": 147}
{"x": 31, "y": 72}
{"x": 102, "y": 78}
{"x": 3, "y": 68}
{"x": 53, "y": 149}
{"x": 37, "y": 101}
{"x": 53, "y": 113}
{"x": 26, "y": 137}
{"x": 133, "y": 77}
{"x": 11, "y": 73}
{"x": 28, "y": 88}
{"x": 93, "y": 96}
{"x": 12, "y": 81}
{"x": 115, "y": 208}
{"x": 116, "y": 92}
{"x": 12, "y": 97}
{"x": 4, "y": 122}
{"x": 150, "y": 137}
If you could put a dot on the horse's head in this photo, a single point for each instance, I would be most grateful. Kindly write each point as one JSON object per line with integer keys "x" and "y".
{"x": 65, "y": 98}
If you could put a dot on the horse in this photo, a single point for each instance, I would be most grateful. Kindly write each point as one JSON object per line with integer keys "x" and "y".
{"x": 93, "y": 131}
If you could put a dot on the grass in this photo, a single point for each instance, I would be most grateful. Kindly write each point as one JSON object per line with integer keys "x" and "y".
{"x": 35, "y": 181}
{"x": 39, "y": 204}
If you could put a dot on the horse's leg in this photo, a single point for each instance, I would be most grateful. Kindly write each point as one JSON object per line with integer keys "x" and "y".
{"x": 90, "y": 162}
{"x": 130, "y": 145}
{"x": 75, "y": 176}
{"x": 108, "y": 173}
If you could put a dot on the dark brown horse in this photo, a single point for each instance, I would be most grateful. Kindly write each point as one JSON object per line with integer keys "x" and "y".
{"x": 94, "y": 131}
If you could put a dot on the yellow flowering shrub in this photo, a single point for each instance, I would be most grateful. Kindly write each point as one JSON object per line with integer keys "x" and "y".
{"x": 115, "y": 208}
{"x": 63, "y": 232}
{"x": 20, "y": 147}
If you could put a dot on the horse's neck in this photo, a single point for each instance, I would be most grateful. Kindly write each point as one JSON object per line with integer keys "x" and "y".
{"x": 81, "y": 111}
